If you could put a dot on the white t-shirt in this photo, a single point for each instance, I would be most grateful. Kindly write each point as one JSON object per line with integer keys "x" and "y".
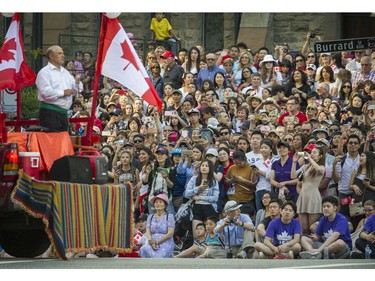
{"x": 252, "y": 158}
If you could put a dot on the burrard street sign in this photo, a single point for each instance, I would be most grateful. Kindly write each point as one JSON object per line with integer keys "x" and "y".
{"x": 345, "y": 45}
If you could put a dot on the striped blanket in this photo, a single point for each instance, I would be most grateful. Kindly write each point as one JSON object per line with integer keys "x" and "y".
{"x": 79, "y": 217}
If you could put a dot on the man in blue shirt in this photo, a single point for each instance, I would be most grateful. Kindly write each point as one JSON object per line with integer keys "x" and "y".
{"x": 210, "y": 71}
{"x": 282, "y": 236}
{"x": 332, "y": 232}
{"x": 237, "y": 230}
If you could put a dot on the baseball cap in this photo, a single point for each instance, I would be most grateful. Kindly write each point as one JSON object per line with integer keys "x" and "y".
{"x": 167, "y": 54}
{"x": 283, "y": 143}
{"x": 162, "y": 149}
{"x": 320, "y": 130}
{"x": 194, "y": 110}
{"x": 117, "y": 112}
{"x": 176, "y": 151}
{"x": 177, "y": 92}
{"x": 311, "y": 66}
{"x": 212, "y": 151}
{"x": 328, "y": 54}
{"x": 273, "y": 132}
{"x": 231, "y": 206}
{"x": 129, "y": 144}
{"x": 309, "y": 147}
{"x": 323, "y": 141}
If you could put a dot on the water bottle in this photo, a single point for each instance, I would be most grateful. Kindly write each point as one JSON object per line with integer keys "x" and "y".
{"x": 367, "y": 252}
{"x": 326, "y": 253}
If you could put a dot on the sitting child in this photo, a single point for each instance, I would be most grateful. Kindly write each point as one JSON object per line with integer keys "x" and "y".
{"x": 214, "y": 244}
{"x": 198, "y": 246}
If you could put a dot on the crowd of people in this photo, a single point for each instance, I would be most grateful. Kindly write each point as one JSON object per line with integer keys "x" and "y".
{"x": 269, "y": 154}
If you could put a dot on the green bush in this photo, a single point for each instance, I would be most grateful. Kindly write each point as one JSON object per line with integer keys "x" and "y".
{"x": 30, "y": 105}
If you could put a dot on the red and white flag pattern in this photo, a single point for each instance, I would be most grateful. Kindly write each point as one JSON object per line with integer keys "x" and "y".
{"x": 14, "y": 72}
{"x": 121, "y": 63}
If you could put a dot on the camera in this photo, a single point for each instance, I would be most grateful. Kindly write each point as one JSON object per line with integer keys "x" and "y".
{"x": 306, "y": 160}
{"x": 232, "y": 220}
{"x": 312, "y": 35}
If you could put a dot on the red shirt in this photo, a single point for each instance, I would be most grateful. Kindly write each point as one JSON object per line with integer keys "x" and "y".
{"x": 301, "y": 118}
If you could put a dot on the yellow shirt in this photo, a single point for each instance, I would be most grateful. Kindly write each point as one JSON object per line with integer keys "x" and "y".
{"x": 241, "y": 194}
{"x": 160, "y": 28}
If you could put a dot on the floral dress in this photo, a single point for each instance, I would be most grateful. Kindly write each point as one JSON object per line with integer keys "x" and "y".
{"x": 159, "y": 228}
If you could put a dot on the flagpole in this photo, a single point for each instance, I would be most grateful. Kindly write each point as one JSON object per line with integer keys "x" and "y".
{"x": 98, "y": 70}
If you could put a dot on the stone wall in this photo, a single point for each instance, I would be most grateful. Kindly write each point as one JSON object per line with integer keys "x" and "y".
{"x": 257, "y": 29}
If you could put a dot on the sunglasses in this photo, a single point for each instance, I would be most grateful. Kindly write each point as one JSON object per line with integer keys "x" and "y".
{"x": 288, "y": 139}
{"x": 346, "y": 86}
{"x": 353, "y": 143}
{"x": 310, "y": 108}
{"x": 138, "y": 141}
{"x": 157, "y": 67}
{"x": 312, "y": 56}
{"x": 227, "y": 64}
{"x": 299, "y": 60}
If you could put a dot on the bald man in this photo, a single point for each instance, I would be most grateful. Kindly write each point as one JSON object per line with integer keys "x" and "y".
{"x": 56, "y": 87}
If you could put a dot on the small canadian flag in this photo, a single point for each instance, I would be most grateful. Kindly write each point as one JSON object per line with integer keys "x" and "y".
{"x": 14, "y": 72}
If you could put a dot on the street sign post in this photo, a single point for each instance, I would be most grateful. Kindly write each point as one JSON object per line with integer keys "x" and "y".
{"x": 344, "y": 45}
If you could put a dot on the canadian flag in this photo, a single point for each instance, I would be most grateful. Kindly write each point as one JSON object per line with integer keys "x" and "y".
{"x": 121, "y": 63}
{"x": 14, "y": 72}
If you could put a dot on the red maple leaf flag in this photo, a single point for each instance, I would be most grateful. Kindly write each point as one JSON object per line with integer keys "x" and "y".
{"x": 121, "y": 63}
{"x": 14, "y": 72}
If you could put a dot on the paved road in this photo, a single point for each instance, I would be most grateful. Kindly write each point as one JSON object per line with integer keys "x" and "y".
{"x": 128, "y": 263}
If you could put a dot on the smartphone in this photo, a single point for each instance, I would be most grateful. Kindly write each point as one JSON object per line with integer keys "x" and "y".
{"x": 281, "y": 191}
{"x": 121, "y": 142}
{"x": 184, "y": 133}
{"x": 276, "y": 68}
{"x": 205, "y": 182}
{"x": 187, "y": 152}
{"x": 264, "y": 128}
{"x": 371, "y": 105}
{"x": 160, "y": 170}
{"x": 168, "y": 113}
{"x": 106, "y": 133}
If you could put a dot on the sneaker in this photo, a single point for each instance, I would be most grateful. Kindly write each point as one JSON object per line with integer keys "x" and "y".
{"x": 262, "y": 256}
{"x": 356, "y": 255}
{"x": 91, "y": 256}
{"x": 290, "y": 255}
{"x": 241, "y": 255}
{"x": 310, "y": 256}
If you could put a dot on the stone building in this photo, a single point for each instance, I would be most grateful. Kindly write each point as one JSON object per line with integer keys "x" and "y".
{"x": 80, "y": 31}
